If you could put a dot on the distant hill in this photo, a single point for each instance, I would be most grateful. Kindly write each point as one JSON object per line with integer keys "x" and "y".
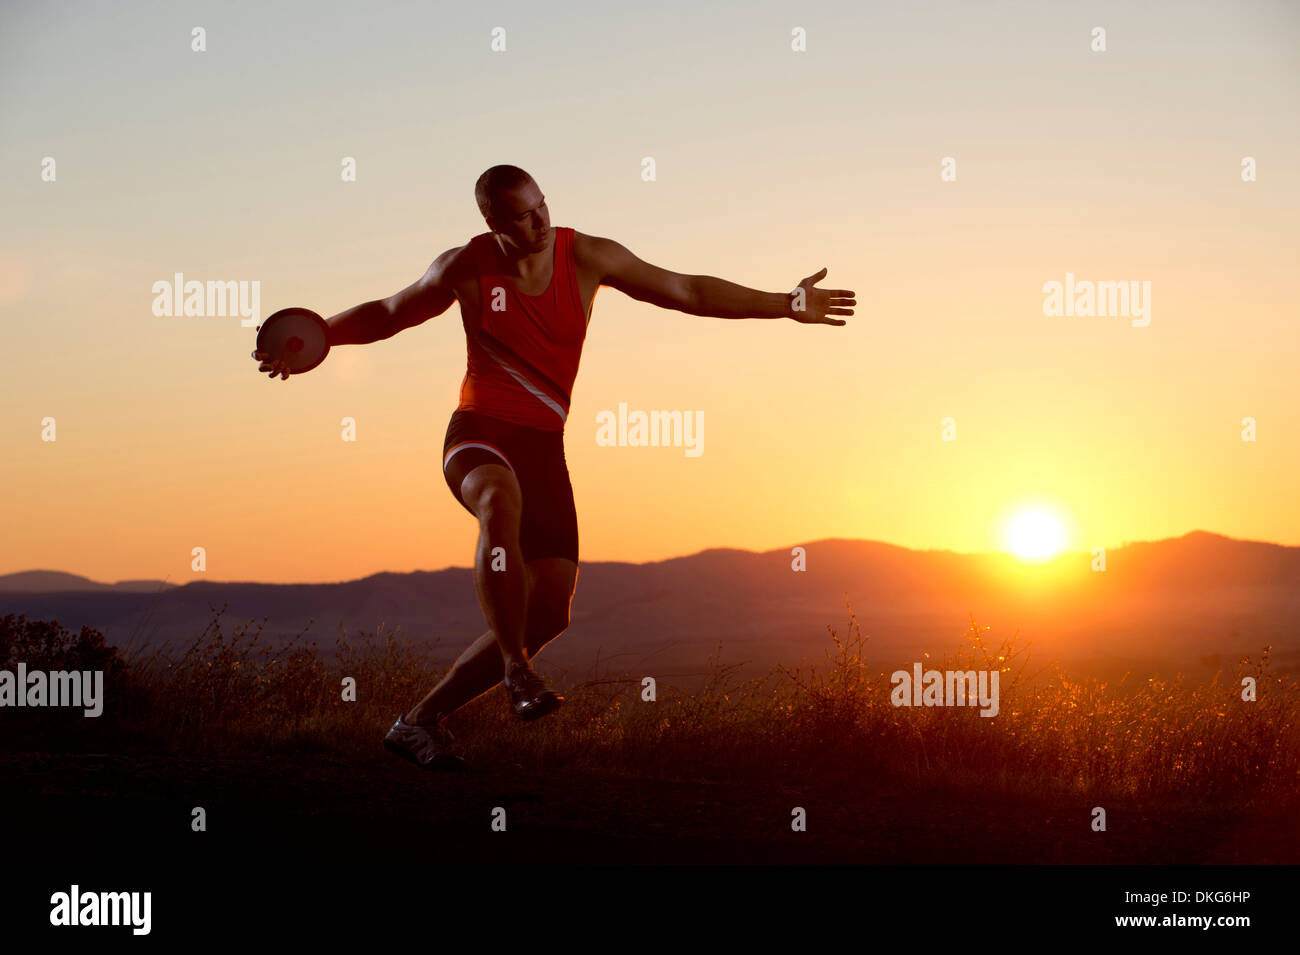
{"x": 1191, "y": 603}
{"x": 55, "y": 581}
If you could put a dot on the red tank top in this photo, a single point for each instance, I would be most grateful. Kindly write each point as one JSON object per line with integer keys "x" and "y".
{"x": 523, "y": 356}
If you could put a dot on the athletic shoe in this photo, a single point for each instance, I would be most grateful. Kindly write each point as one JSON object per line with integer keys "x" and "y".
{"x": 426, "y": 745}
{"x": 529, "y": 697}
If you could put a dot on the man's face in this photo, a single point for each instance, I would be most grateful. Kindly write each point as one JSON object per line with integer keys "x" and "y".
{"x": 522, "y": 218}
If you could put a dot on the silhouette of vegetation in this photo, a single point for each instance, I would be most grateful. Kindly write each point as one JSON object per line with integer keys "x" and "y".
{"x": 824, "y": 726}
{"x": 48, "y": 646}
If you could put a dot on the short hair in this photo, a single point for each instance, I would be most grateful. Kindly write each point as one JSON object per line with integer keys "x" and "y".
{"x": 489, "y": 186}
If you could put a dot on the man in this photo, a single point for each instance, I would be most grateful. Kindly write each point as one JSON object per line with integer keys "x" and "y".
{"x": 525, "y": 291}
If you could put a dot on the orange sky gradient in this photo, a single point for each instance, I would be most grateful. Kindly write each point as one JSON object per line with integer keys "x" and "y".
{"x": 771, "y": 164}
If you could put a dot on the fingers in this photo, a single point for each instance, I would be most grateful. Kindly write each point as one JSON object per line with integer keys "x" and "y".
{"x": 271, "y": 366}
{"x": 823, "y": 319}
{"x": 840, "y": 301}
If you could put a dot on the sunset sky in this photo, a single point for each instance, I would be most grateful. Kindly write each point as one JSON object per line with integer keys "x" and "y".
{"x": 1123, "y": 165}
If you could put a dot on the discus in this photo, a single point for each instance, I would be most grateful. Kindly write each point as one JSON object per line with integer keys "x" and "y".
{"x": 296, "y": 336}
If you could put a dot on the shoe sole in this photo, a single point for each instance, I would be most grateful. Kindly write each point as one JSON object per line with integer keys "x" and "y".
{"x": 546, "y": 705}
{"x": 441, "y": 762}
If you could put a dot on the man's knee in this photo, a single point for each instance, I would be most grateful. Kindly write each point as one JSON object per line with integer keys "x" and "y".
{"x": 495, "y": 499}
{"x": 500, "y": 508}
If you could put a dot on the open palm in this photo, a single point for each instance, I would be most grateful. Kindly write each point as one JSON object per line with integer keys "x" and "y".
{"x": 814, "y": 304}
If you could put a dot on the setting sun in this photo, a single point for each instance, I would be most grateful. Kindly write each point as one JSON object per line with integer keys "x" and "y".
{"x": 1035, "y": 534}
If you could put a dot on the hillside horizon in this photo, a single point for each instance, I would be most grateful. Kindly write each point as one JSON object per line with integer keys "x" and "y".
{"x": 1193, "y": 603}
{"x": 43, "y": 580}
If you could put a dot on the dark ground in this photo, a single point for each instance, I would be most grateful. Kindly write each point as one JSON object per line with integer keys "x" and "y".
{"x": 311, "y": 808}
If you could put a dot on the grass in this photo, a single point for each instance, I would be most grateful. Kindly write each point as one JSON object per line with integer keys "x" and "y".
{"x": 828, "y": 725}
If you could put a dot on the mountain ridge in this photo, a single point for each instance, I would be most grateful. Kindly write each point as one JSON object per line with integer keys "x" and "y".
{"x": 1174, "y": 602}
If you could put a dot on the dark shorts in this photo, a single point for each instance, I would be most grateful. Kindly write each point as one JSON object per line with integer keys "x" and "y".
{"x": 549, "y": 527}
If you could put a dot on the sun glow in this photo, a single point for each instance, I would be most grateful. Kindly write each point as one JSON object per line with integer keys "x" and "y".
{"x": 1035, "y": 534}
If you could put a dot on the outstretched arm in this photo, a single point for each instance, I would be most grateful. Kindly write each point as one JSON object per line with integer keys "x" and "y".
{"x": 705, "y": 295}
{"x": 383, "y": 318}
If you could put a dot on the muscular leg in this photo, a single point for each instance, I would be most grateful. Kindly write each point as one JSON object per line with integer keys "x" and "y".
{"x": 501, "y": 580}
{"x": 550, "y": 586}
{"x": 552, "y": 582}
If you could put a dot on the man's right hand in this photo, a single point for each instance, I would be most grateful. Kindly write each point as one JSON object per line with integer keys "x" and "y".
{"x": 272, "y": 366}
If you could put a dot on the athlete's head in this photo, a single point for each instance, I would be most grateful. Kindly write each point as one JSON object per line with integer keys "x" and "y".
{"x": 513, "y": 206}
